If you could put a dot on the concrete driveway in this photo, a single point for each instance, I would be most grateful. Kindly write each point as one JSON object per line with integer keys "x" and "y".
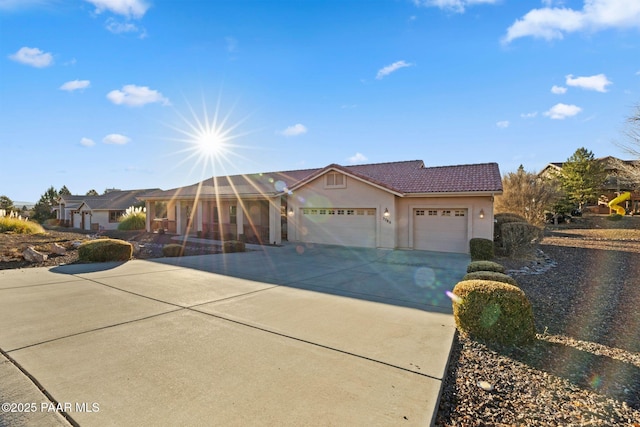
{"x": 294, "y": 335}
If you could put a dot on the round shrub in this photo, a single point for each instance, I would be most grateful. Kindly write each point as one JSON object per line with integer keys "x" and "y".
{"x": 172, "y": 250}
{"x": 490, "y": 275}
{"x": 102, "y": 250}
{"x": 494, "y": 312}
{"x": 481, "y": 249}
{"x": 485, "y": 266}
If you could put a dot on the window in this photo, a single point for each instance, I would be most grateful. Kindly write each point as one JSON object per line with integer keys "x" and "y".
{"x": 340, "y": 211}
{"x": 458, "y": 213}
{"x": 323, "y": 211}
{"x": 371, "y": 211}
{"x": 350, "y": 211}
{"x": 114, "y": 216}
{"x": 331, "y": 211}
{"x": 433, "y": 213}
{"x": 419, "y": 212}
{"x": 360, "y": 211}
{"x": 233, "y": 214}
{"x": 306, "y": 211}
{"x": 446, "y": 213}
{"x": 314, "y": 211}
{"x": 335, "y": 180}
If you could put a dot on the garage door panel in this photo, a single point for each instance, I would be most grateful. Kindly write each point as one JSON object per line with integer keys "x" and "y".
{"x": 339, "y": 226}
{"x": 440, "y": 229}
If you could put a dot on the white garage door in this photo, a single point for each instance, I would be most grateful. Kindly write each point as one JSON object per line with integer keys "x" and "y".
{"x": 339, "y": 226}
{"x": 442, "y": 230}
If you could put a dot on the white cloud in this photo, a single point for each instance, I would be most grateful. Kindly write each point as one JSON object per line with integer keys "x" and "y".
{"x": 32, "y": 56}
{"x": 121, "y": 27}
{"x": 562, "y": 111}
{"x": 453, "y": 5}
{"x": 87, "y": 142}
{"x": 136, "y": 96}
{"x": 558, "y": 90}
{"x": 295, "y": 130}
{"x": 385, "y": 71}
{"x": 75, "y": 85}
{"x": 552, "y": 23}
{"x": 357, "y": 158}
{"x": 116, "y": 138}
{"x": 529, "y": 115}
{"x": 599, "y": 82}
{"x": 503, "y": 124}
{"x": 127, "y": 8}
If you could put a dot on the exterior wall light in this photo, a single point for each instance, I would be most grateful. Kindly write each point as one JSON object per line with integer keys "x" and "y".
{"x": 290, "y": 211}
{"x": 386, "y": 213}
{"x": 481, "y": 213}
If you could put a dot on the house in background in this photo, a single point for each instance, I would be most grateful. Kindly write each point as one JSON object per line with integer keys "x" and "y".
{"x": 385, "y": 205}
{"x": 96, "y": 213}
{"x": 616, "y": 182}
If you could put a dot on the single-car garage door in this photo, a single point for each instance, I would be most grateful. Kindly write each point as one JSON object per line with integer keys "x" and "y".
{"x": 440, "y": 229}
{"x": 339, "y": 226}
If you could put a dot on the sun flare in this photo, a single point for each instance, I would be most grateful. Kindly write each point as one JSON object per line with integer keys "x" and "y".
{"x": 210, "y": 139}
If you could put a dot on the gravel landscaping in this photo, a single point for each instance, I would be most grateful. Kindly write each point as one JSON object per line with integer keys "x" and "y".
{"x": 584, "y": 368}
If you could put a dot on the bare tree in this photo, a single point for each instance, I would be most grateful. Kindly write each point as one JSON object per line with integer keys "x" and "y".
{"x": 527, "y": 194}
{"x": 631, "y": 170}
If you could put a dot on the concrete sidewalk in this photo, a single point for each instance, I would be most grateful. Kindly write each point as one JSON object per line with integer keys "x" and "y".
{"x": 297, "y": 335}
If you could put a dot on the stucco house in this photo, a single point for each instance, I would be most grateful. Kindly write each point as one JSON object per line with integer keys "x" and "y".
{"x": 96, "y": 212}
{"x": 385, "y": 205}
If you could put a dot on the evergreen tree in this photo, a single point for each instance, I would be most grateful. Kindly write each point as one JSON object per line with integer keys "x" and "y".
{"x": 64, "y": 191}
{"x": 6, "y": 204}
{"x": 42, "y": 209}
{"x": 582, "y": 177}
{"x": 92, "y": 193}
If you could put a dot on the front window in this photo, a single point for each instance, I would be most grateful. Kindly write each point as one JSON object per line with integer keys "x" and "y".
{"x": 335, "y": 180}
{"x": 114, "y": 216}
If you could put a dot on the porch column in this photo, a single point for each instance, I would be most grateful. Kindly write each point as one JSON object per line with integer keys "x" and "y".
{"x": 275, "y": 226}
{"x": 178, "y": 217}
{"x": 239, "y": 219}
{"x": 150, "y": 207}
{"x": 199, "y": 216}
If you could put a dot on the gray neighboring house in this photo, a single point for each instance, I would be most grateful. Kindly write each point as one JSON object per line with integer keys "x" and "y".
{"x": 96, "y": 213}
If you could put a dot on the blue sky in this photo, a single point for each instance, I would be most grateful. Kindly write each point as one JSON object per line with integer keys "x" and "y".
{"x": 98, "y": 94}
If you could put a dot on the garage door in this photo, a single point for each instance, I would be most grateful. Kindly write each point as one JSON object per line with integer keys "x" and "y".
{"x": 442, "y": 230}
{"x": 339, "y": 226}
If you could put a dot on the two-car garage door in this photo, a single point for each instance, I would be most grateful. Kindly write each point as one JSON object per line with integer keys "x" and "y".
{"x": 339, "y": 226}
{"x": 440, "y": 229}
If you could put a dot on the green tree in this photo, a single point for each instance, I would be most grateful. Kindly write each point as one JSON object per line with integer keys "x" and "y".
{"x": 6, "y": 204}
{"x": 526, "y": 194}
{"x": 42, "y": 209}
{"x": 64, "y": 191}
{"x": 92, "y": 192}
{"x": 582, "y": 178}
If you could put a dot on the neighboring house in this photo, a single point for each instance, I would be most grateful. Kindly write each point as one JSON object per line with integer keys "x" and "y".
{"x": 616, "y": 182}
{"x": 96, "y": 212}
{"x": 385, "y": 205}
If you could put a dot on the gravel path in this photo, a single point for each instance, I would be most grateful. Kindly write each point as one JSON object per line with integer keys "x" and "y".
{"x": 584, "y": 368}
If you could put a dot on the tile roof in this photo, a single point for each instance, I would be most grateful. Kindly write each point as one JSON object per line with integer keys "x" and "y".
{"x": 404, "y": 178}
{"x": 113, "y": 200}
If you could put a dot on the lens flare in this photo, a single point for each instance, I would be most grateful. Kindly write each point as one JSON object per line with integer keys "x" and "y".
{"x": 455, "y": 298}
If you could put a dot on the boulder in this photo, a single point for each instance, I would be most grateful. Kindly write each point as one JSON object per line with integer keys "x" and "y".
{"x": 32, "y": 255}
{"x": 58, "y": 249}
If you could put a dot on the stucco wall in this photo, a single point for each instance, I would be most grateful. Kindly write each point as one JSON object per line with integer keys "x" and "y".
{"x": 356, "y": 194}
{"x": 476, "y": 226}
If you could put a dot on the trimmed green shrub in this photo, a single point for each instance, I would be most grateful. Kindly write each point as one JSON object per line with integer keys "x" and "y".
{"x": 490, "y": 275}
{"x": 233, "y": 246}
{"x": 494, "y": 312}
{"x": 102, "y": 250}
{"x": 481, "y": 249}
{"x": 485, "y": 266}
{"x": 20, "y": 226}
{"x": 172, "y": 250}
{"x": 520, "y": 239}
{"x": 504, "y": 218}
{"x": 614, "y": 217}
